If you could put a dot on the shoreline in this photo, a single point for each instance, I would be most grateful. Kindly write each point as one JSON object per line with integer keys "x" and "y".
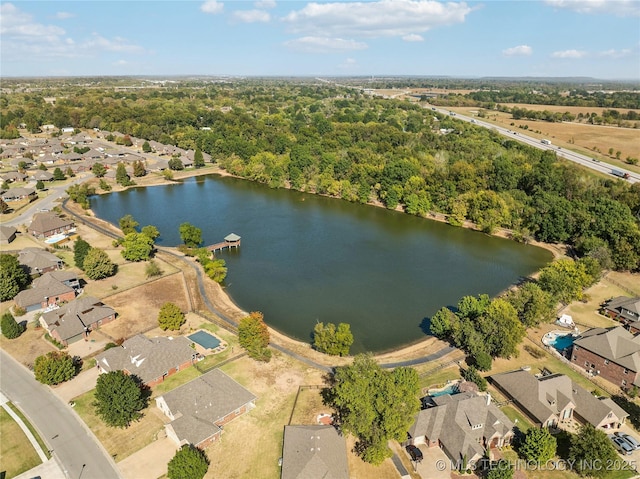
{"x": 223, "y": 301}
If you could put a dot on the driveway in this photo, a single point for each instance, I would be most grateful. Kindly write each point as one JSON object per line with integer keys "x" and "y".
{"x": 83, "y": 382}
{"x": 434, "y": 465}
{"x": 149, "y": 462}
{"x": 634, "y": 458}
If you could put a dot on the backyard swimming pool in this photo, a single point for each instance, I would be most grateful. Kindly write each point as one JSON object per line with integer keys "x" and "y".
{"x": 560, "y": 341}
{"x": 204, "y": 339}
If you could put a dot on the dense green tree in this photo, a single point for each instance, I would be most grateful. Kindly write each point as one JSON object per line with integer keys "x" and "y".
{"x": 119, "y": 399}
{"x": 13, "y": 277}
{"x": 533, "y": 304}
{"x": 80, "y": 194}
{"x": 98, "y": 170}
{"x": 80, "y": 250}
{"x": 58, "y": 175}
{"x": 175, "y": 164}
{"x": 39, "y": 185}
{"x": 374, "y": 405}
{"x": 198, "y": 158}
{"x": 189, "y": 462}
{"x": 502, "y": 469}
{"x": 137, "y": 247}
{"x": 139, "y": 169}
{"x": 69, "y": 172}
{"x": 565, "y": 279}
{"x": 11, "y": 329}
{"x": 150, "y": 231}
{"x": 501, "y": 329}
{"x": 170, "y": 317}
{"x": 98, "y": 265}
{"x": 216, "y": 270}
{"x": 443, "y": 323}
{"x": 253, "y": 336}
{"x": 54, "y": 367}
{"x": 538, "y": 446}
{"x": 128, "y": 224}
{"x": 331, "y": 340}
{"x": 591, "y": 450}
{"x": 482, "y": 361}
{"x": 472, "y": 375}
{"x": 190, "y": 235}
{"x": 42, "y": 167}
{"x": 122, "y": 177}
{"x": 146, "y": 147}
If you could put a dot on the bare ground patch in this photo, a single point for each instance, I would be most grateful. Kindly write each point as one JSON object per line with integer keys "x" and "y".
{"x": 28, "y": 346}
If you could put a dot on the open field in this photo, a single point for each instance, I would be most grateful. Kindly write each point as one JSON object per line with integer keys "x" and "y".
{"x": 582, "y": 138}
{"x": 17, "y": 455}
{"x": 28, "y": 346}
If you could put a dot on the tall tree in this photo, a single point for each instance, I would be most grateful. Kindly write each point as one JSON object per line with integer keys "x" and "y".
{"x": 190, "y": 235}
{"x": 331, "y": 340}
{"x": 374, "y": 405}
{"x": 253, "y": 335}
{"x": 13, "y": 277}
{"x": 150, "y": 231}
{"x": 128, "y": 224}
{"x": 591, "y": 450}
{"x": 189, "y": 462}
{"x": 139, "y": 169}
{"x": 170, "y": 317}
{"x": 533, "y": 304}
{"x": 137, "y": 247}
{"x": 80, "y": 250}
{"x": 538, "y": 446}
{"x": 118, "y": 399}
{"x": 122, "y": 177}
{"x": 99, "y": 170}
{"x": 98, "y": 265}
{"x": 565, "y": 279}
{"x": 54, "y": 367}
{"x": 11, "y": 329}
{"x": 58, "y": 175}
{"x": 198, "y": 158}
{"x": 146, "y": 147}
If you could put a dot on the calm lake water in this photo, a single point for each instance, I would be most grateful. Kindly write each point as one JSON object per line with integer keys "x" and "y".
{"x": 306, "y": 258}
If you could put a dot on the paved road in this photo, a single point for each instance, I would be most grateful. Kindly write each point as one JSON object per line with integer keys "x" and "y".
{"x": 73, "y": 444}
{"x": 584, "y": 160}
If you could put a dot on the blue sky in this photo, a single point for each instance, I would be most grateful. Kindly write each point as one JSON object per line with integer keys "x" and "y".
{"x": 550, "y": 38}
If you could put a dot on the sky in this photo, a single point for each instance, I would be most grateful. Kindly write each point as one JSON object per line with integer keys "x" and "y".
{"x": 542, "y": 38}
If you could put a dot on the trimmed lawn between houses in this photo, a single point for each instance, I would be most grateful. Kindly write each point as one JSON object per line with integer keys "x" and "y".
{"x": 17, "y": 455}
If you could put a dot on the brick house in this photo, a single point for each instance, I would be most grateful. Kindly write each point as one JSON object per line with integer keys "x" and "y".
{"x": 624, "y": 309}
{"x": 612, "y": 353}
{"x": 49, "y": 290}
{"x": 75, "y": 320}
{"x": 463, "y": 425}
{"x": 45, "y": 225}
{"x": 39, "y": 261}
{"x": 200, "y": 408}
{"x": 551, "y": 400}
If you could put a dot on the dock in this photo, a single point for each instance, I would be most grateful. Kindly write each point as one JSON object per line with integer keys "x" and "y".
{"x": 230, "y": 241}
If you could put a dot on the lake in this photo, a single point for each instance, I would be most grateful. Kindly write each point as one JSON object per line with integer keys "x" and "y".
{"x": 307, "y": 259}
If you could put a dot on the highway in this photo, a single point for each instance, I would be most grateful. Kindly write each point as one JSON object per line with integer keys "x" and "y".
{"x": 578, "y": 158}
{"x": 74, "y": 446}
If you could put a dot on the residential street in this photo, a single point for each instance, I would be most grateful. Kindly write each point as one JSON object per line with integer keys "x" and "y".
{"x": 77, "y": 450}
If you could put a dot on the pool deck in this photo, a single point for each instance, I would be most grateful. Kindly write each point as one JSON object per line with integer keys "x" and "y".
{"x": 206, "y": 351}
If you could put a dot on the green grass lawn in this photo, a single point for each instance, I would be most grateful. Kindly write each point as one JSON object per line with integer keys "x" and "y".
{"x": 518, "y": 418}
{"x": 17, "y": 455}
{"x": 440, "y": 378}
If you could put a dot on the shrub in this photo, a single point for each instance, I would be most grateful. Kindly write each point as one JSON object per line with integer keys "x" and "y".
{"x": 10, "y": 328}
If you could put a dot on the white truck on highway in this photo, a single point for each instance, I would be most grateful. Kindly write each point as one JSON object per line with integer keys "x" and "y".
{"x": 545, "y": 142}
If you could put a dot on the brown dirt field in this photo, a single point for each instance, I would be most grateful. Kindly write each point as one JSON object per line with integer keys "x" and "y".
{"x": 581, "y": 138}
{"x": 138, "y": 307}
{"x": 28, "y": 346}
{"x": 571, "y": 109}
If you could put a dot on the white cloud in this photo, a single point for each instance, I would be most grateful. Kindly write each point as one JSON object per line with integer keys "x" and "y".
{"x": 251, "y": 16}
{"x": 348, "y": 64}
{"x": 625, "y": 52}
{"x": 265, "y": 4}
{"x": 569, "y": 54}
{"x": 616, "y": 7}
{"x": 22, "y": 37}
{"x": 519, "y": 51}
{"x": 120, "y": 63}
{"x": 382, "y": 18}
{"x": 324, "y": 44}
{"x": 413, "y": 37}
{"x": 212, "y": 6}
{"x": 64, "y": 15}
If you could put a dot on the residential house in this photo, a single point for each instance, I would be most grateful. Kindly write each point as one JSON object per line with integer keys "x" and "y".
{"x": 553, "y": 399}
{"x": 75, "y": 320}
{"x": 200, "y": 408}
{"x": 42, "y": 176}
{"x": 626, "y": 310}
{"x": 612, "y": 353}
{"x": 47, "y": 159}
{"x": 464, "y": 425}
{"x": 71, "y": 157}
{"x": 48, "y": 290}
{"x": 20, "y": 162}
{"x": 48, "y": 224}
{"x": 150, "y": 359}
{"x": 39, "y": 261}
{"x": 7, "y": 234}
{"x": 314, "y": 452}
{"x": 19, "y": 194}
{"x": 13, "y": 176}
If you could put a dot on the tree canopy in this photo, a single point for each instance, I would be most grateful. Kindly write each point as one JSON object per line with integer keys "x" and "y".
{"x": 119, "y": 398}
{"x": 374, "y": 405}
{"x": 170, "y": 317}
{"x": 98, "y": 265}
{"x": 11, "y": 329}
{"x": 12, "y": 277}
{"x": 80, "y": 250}
{"x": 253, "y": 336}
{"x": 591, "y": 450}
{"x": 538, "y": 446}
{"x": 128, "y": 224}
{"x": 137, "y": 247}
{"x": 190, "y": 235}
{"x": 54, "y": 367}
{"x": 189, "y": 462}
{"x": 331, "y": 340}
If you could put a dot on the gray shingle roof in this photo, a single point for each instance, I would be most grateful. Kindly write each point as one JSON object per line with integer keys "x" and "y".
{"x": 7, "y": 233}
{"x": 460, "y": 422}
{"x": 623, "y": 305}
{"x": 73, "y": 318}
{"x": 43, "y": 222}
{"x": 549, "y": 395}
{"x": 147, "y": 358}
{"x": 37, "y": 259}
{"x": 615, "y": 344}
{"x": 45, "y": 286}
{"x": 314, "y": 452}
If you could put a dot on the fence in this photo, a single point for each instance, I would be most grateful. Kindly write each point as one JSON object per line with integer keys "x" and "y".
{"x": 295, "y": 401}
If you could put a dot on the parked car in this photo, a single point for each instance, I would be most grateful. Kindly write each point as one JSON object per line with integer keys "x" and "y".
{"x": 414, "y": 452}
{"x": 622, "y": 446}
{"x": 633, "y": 442}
